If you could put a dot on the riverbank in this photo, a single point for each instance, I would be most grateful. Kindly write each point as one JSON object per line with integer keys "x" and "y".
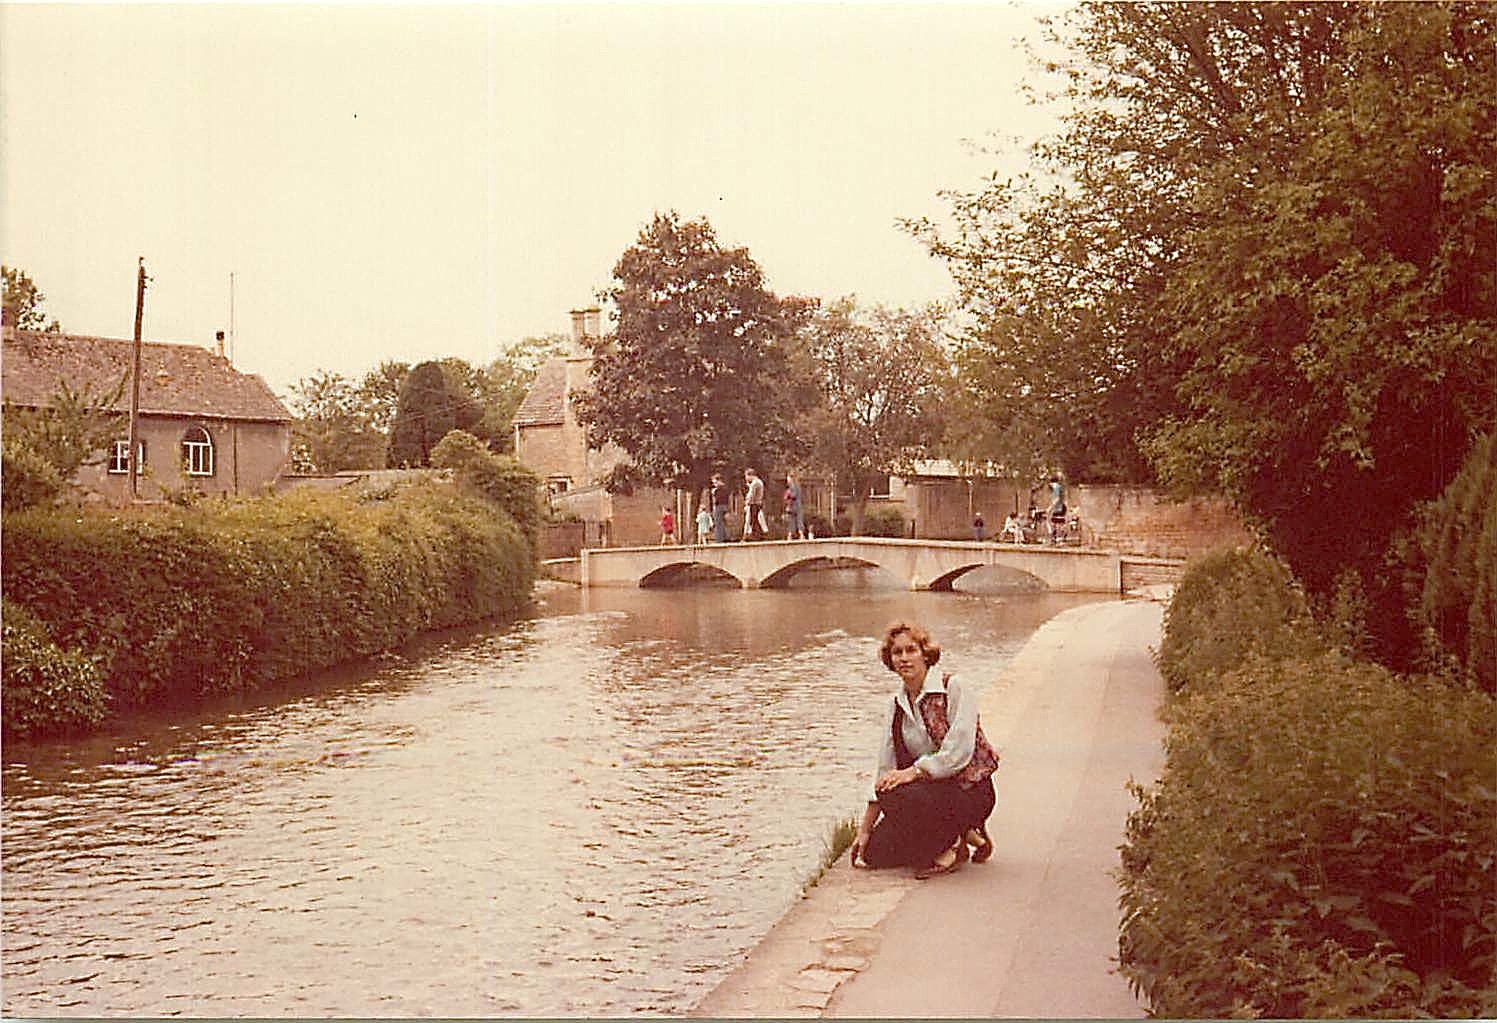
{"x": 1031, "y": 933}
{"x": 109, "y": 611}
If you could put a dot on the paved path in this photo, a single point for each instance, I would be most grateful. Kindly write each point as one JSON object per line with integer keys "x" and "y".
{"x": 1031, "y": 933}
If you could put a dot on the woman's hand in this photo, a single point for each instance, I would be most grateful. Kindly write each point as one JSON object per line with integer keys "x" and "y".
{"x": 894, "y": 779}
{"x": 859, "y": 847}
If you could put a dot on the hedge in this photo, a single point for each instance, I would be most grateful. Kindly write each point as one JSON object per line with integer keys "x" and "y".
{"x": 47, "y": 689}
{"x": 179, "y": 602}
{"x": 1321, "y": 841}
{"x": 1230, "y": 605}
{"x": 1459, "y": 593}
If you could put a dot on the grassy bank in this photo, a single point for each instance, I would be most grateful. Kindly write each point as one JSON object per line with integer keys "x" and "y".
{"x": 110, "y": 609}
{"x": 1322, "y": 840}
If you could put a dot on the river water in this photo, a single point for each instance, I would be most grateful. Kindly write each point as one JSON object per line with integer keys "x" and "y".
{"x": 595, "y": 810}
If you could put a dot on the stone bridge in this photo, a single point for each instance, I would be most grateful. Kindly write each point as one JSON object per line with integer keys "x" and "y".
{"x": 923, "y": 564}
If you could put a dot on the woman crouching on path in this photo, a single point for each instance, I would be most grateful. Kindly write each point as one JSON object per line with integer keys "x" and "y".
{"x": 933, "y": 789}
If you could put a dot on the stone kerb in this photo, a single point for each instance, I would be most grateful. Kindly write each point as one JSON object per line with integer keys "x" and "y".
{"x": 920, "y": 564}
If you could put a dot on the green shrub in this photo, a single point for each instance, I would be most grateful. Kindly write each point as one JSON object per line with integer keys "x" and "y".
{"x": 46, "y": 689}
{"x": 497, "y": 478}
{"x": 1458, "y": 599}
{"x": 27, "y": 478}
{"x": 1320, "y": 844}
{"x": 883, "y": 522}
{"x": 234, "y": 594}
{"x": 1230, "y": 605}
{"x": 817, "y": 525}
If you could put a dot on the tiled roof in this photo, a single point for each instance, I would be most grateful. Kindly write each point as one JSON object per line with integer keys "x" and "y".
{"x": 545, "y": 402}
{"x": 183, "y": 380}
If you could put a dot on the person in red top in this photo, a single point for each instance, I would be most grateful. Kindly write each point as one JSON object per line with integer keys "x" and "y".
{"x": 667, "y": 526}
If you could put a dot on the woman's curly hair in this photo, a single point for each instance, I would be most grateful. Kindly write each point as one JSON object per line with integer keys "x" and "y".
{"x": 928, "y": 646}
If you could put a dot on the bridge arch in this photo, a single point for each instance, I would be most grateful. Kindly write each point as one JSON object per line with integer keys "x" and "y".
{"x": 781, "y": 577}
{"x": 946, "y": 581}
{"x": 686, "y": 573}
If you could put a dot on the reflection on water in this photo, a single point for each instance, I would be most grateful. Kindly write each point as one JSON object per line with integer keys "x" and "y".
{"x": 594, "y": 811}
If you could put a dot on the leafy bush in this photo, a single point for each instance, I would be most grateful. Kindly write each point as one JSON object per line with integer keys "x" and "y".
{"x": 1229, "y": 605}
{"x": 1459, "y": 593}
{"x": 883, "y": 522}
{"x": 497, "y": 478}
{"x": 28, "y": 478}
{"x": 233, "y": 594}
{"x": 47, "y": 689}
{"x": 1321, "y": 843}
{"x": 817, "y": 525}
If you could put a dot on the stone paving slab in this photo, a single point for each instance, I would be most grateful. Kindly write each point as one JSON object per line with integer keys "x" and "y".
{"x": 1033, "y": 932}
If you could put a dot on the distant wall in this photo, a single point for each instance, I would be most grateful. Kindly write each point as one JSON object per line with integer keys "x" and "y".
{"x": 1140, "y": 520}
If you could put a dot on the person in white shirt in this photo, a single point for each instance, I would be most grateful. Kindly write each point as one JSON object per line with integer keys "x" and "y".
{"x": 932, "y": 789}
{"x": 753, "y": 507}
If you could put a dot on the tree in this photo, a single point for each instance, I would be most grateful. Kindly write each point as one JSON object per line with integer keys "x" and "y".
{"x": 379, "y": 393}
{"x": 881, "y": 379}
{"x": 1268, "y": 242}
{"x": 683, "y": 386}
{"x": 23, "y": 302}
{"x": 45, "y": 447}
{"x": 430, "y": 405}
{"x": 333, "y": 425}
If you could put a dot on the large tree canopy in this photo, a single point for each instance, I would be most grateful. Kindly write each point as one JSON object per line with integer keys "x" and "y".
{"x": 880, "y": 379}
{"x": 1264, "y": 247}
{"x": 687, "y": 382}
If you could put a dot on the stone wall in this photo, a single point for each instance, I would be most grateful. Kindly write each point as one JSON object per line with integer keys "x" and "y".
{"x": 1139, "y": 520}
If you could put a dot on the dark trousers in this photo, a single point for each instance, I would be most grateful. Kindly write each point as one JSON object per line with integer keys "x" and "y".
{"x": 924, "y": 817}
{"x": 720, "y": 523}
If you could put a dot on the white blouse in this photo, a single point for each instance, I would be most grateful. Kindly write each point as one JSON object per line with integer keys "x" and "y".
{"x": 938, "y": 762}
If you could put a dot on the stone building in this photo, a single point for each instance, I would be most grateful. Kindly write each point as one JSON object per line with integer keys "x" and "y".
{"x": 203, "y": 425}
{"x": 550, "y": 441}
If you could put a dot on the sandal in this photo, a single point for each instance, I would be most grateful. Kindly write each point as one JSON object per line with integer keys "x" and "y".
{"x": 958, "y": 854}
{"x": 982, "y": 845}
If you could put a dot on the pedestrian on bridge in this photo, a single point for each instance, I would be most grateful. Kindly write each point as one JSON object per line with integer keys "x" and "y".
{"x": 719, "y": 509}
{"x": 795, "y": 521}
{"x": 753, "y": 507}
{"x": 933, "y": 787}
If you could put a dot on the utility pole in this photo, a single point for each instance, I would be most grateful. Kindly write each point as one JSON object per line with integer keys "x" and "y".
{"x": 134, "y": 451}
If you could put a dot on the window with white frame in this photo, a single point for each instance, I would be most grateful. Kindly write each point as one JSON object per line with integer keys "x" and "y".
{"x": 197, "y": 452}
{"x": 119, "y": 456}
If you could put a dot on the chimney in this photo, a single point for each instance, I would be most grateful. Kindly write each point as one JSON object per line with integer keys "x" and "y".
{"x": 591, "y": 321}
{"x": 219, "y": 337}
{"x": 579, "y": 331}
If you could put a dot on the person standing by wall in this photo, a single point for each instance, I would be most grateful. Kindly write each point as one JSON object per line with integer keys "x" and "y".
{"x": 719, "y": 509}
{"x": 667, "y": 526}
{"x": 795, "y": 520}
{"x": 753, "y": 506}
{"x": 704, "y": 522}
{"x": 1057, "y": 508}
{"x": 977, "y": 527}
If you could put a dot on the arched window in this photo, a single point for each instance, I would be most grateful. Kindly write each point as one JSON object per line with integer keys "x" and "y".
{"x": 197, "y": 452}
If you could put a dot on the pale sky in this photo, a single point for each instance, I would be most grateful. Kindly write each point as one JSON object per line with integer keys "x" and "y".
{"x": 416, "y": 182}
